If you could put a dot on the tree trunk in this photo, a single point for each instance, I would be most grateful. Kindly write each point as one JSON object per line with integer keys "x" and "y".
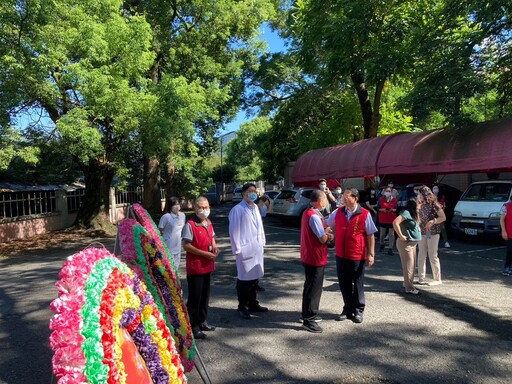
{"x": 94, "y": 210}
{"x": 170, "y": 170}
{"x": 151, "y": 198}
{"x": 376, "y": 116}
{"x": 364, "y": 102}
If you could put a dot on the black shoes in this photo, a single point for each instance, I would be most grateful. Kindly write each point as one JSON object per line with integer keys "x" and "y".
{"x": 258, "y": 308}
{"x": 316, "y": 319}
{"x": 312, "y": 327}
{"x": 390, "y": 252}
{"x": 358, "y": 319}
{"x": 244, "y": 314}
{"x": 344, "y": 316}
{"x": 199, "y": 335}
{"x": 206, "y": 327}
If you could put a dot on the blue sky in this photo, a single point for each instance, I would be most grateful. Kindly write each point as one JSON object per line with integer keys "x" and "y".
{"x": 275, "y": 44}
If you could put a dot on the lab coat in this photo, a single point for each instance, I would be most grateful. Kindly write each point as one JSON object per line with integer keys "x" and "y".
{"x": 247, "y": 238}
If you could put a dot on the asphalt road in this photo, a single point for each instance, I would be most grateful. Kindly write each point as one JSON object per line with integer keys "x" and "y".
{"x": 459, "y": 332}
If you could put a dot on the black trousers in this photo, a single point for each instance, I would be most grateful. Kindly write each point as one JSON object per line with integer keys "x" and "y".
{"x": 312, "y": 291}
{"x": 198, "y": 299}
{"x": 246, "y": 291}
{"x": 508, "y": 258}
{"x": 351, "y": 281}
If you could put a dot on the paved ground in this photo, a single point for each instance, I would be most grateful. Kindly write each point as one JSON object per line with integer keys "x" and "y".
{"x": 459, "y": 332}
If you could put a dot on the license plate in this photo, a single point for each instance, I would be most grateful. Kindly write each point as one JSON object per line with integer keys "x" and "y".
{"x": 471, "y": 231}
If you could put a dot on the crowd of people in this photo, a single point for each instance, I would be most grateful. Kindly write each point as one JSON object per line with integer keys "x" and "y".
{"x": 336, "y": 218}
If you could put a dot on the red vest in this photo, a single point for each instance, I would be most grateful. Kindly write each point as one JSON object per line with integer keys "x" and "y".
{"x": 312, "y": 251}
{"x": 202, "y": 239}
{"x": 387, "y": 217}
{"x": 508, "y": 219}
{"x": 351, "y": 234}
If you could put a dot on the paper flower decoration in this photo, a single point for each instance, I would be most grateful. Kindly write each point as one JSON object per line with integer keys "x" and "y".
{"x": 107, "y": 328}
{"x": 141, "y": 250}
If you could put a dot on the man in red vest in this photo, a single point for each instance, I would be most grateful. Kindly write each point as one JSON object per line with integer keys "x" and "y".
{"x": 314, "y": 234}
{"x": 506, "y": 233}
{"x": 199, "y": 243}
{"x": 355, "y": 246}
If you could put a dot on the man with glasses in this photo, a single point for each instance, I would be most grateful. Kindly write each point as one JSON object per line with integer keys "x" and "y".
{"x": 355, "y": 246}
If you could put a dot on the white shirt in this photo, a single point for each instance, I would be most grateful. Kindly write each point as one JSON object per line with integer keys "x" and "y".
{"x": 247, "y": 238}
{"x": 172, "y": 226}
{"x": 369, "y": 225}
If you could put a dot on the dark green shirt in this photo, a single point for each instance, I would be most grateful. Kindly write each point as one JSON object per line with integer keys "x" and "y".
{"x": 410, "y": 227}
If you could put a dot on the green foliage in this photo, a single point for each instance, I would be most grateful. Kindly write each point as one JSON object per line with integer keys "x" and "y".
{"x": 15, "y": 146}
{"x": 243, "y": 151}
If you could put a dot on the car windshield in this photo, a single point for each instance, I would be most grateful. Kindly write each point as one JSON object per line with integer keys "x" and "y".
{"x": 285, "y": 195}
{"x": 488, "y": 192}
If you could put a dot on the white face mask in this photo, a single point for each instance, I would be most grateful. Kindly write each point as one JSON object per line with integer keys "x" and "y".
{"x": 175, "y": 209}
{"x": 322, "y": 187}
{"x": 387, "y": 194}
{"x": 338, "y": 191}
{"x": 435, "y": 190}
{"x": 203, "y": 213}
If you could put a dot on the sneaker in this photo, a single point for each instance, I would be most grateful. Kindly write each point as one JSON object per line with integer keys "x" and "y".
{"x": 507, "y": 272}
{"x": 435, "y": 282}
{"x": 413, "y": 292}
{"x": 312, "y": 327}
{"x": 244, "y": 314}
{"x": 390, "y": 252}
{"x": 447, "y": 245}
{"x": 422, "y": 282}
{"x": 316, "y": 319}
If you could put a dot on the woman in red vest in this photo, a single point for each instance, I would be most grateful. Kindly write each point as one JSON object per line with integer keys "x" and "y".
{"x": 199, "y": 243}
{"x": 506, "y": 233}
{"x": 387, "y": 213}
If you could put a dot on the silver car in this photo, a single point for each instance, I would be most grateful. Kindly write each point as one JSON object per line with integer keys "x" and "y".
{"x": 291, "y": 203}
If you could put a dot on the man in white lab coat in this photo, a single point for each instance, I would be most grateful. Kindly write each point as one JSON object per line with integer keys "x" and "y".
{"x": 247, "y": 241}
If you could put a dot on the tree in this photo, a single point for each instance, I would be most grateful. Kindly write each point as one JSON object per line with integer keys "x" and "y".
{"x": 211, "y": 46}
{"x": 83, "y": 63}
{"x": 364, "y": 43}
{"x": 243, "y": 151}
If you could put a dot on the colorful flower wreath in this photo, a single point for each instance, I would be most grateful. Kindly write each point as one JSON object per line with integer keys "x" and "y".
{"x": 106, "y": 327}
{"x": 141, "y": 250}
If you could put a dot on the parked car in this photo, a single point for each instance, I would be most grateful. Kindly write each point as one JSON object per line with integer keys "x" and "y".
{"x": 478, "y": 210}
{"x": 290, "y": 204}
{"x": 272, "y": 194}
{"x": 237, "y": 195}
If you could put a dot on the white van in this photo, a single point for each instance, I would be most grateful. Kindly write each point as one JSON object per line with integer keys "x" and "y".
{"x": 478, "y": 209}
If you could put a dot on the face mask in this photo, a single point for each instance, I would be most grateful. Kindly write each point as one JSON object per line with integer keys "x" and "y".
{"x": 175, "y": 208}
{"x": 322, "y": 187}
{"x": 372, "y": 192}
{"x": 435, "y": 190}
{"x": 387, "y": 194}
{"x": 252, "y": 196}
{"x": 263, "y": 211}
{"x": 338, "y": 192}
{"x": 203, "y": 213}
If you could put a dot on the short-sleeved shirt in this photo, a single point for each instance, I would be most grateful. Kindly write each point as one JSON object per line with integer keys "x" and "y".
{"x": 369, "y": 225}
{"x": 187, "y": 235}
{"x": 410, "y": 227}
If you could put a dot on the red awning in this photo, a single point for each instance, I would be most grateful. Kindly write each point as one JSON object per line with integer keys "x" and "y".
{"x": 484, "y": 147}
{"x": 334, "y": 163}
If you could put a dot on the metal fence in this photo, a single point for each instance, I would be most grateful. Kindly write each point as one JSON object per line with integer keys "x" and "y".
{"x": 32, "y": 203}
{"x": 27, "y": 203}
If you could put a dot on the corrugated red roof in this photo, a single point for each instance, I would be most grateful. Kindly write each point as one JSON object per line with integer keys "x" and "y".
{"x": 484, "y": 147}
